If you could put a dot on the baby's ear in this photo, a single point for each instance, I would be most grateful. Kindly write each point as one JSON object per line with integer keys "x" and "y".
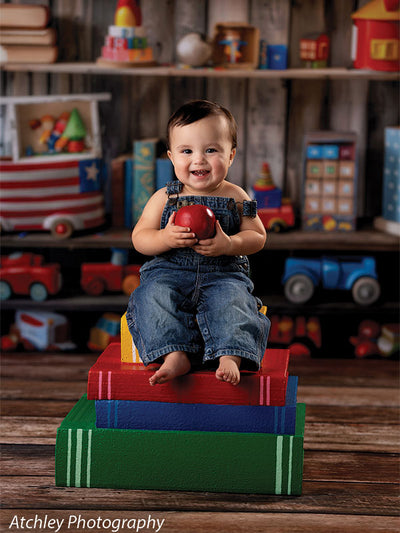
{"x": 232, "y": 156}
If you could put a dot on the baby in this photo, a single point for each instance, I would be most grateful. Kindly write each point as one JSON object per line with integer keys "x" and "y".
{"x": 194, "y": 302}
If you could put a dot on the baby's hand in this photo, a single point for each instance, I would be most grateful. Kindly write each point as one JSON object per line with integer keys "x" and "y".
{"x": 178, "y": 236}
{"x": 220, "y": 244}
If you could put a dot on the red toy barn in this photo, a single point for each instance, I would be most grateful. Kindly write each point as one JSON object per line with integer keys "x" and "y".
{"x": 376, "y": 36}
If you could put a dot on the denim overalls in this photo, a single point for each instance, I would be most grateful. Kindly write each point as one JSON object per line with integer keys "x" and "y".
{"x": 200, "y": 305}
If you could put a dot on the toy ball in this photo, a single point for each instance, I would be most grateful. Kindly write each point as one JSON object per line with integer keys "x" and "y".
{"x": 193, "y": 50}
{"x": 199, "y": 218}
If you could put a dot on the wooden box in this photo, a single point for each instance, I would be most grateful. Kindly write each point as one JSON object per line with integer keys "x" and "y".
{"x": 245, "y": 54}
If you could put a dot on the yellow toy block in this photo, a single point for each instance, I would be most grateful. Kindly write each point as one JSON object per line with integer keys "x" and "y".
{"x": 129, "y": 353}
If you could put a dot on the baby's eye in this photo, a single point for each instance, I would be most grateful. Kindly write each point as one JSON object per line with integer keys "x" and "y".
{"x": 187, "y": 151}
{"x": 210, "y": 150}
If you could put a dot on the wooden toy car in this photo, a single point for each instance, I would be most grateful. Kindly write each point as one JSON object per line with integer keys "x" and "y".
{"x": 278, "y": 219}
{"x": 38, "y": 330}
{"x": 114, "y": 276}
{"x": 27, "y": 274}
{"x": 357, "y": 275}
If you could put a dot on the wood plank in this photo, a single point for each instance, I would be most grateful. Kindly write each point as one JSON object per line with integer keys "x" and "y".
{"x": 348, "y": 396}
{"x": 89, "y": 68}
{"x": 176, "y": 522}
{"x": 40, "y": 390}
{"x": 364, "y": 240}
{"x": 39, "y": 492}
{"x": 350, "y": 467}
{"x": 380, "y": 438}
{"x": 27, "y": 408}
{"x": 315, "y": 413}
{"x": 350, "y": 372}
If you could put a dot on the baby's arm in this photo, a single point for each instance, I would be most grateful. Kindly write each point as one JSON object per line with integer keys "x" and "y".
{"x": 249, "y": 240}
{"x": 149, "y": 239}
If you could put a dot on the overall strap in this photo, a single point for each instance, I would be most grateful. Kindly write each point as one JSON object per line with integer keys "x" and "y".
{"x": 250, "y": 208}
{"x": 174, "y": 187}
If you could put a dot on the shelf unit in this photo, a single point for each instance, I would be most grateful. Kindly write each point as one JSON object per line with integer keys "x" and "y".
{"x": 91, "y": 68}
{"x": 364, "y": 240}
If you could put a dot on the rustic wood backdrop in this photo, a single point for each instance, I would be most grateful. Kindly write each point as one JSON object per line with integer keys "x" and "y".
{"x": 273, "y": 115}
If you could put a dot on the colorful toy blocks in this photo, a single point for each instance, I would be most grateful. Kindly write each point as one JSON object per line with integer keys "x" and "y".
{"x": 329, "y": 183}
{"x": 126, "y": 41}
{"x": 127, "y": 434}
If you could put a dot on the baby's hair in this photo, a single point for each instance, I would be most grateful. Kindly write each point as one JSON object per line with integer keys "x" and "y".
{"x": 196, "y": 110}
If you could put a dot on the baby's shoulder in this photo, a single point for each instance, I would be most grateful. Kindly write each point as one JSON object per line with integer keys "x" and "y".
{"x": 232, "y": 190}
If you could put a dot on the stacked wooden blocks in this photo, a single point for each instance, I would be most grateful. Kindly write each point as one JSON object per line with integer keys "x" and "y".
{"x": 193, "y": 433}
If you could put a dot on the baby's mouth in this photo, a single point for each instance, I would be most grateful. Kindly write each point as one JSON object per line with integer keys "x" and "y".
{"x": 200, "y": 173}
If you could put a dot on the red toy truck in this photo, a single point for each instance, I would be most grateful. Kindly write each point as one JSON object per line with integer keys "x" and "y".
{"x": 26, "y": 273}
{"x": 278, "y": 219}
{"x": 114, "y": 276}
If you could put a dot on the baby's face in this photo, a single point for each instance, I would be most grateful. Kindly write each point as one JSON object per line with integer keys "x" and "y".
{"x": 202, "y": 153}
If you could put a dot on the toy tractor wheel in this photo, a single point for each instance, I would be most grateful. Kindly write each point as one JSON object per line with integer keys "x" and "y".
{"x": 94, "y": 287}
{"x": 130, "y": 283}
{"x": 61, "y": 229}
{"x": 38, "y": 292}
{"x": 299, "y": 289}
{"x": 276, "y": 226}
{"x": 366, "y": 291}
{"x": 5, "y": 290}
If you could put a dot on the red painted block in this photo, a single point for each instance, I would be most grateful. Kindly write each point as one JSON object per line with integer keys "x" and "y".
{"x": 111, "y": 379}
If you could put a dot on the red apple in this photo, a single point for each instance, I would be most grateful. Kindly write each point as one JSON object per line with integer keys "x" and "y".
{"x": 199, "y": 218}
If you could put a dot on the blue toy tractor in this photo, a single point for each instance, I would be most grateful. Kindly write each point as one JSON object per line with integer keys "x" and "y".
{"x": 302, "y": 276}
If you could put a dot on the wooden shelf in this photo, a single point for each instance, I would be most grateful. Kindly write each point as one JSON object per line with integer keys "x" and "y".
{"x": 81, "y": 302}
{"x": 174, "y": 71}
{"x": 276, "y": 303}
{"x": 362, "y": 240}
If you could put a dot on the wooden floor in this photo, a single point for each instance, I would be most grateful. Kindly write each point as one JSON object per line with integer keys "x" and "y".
{"x": 351, "y": 467}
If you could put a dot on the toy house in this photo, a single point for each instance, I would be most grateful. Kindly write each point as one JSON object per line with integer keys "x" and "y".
{"x": 314, "y": 50}
{"x": 329, "y": 183}
{"x": 54, "y": 178}
{"x": 375, "y": 42}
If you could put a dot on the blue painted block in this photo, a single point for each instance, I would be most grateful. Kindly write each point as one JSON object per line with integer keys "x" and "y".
{"x": 277, "y": 55}
{"x": 268, "y": 198}
{"x": 330, "y": 151}
{"x": 391, "y": 175}
{"x": 314, "y": 151}
{"x": 125, "y": 414}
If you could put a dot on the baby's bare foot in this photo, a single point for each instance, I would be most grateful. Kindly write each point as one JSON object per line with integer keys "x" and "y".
{"x": 228, "y": 369}
{"x": 175, "y": 364}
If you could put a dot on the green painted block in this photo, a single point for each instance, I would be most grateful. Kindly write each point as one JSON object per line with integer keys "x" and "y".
{"x": 263, "y": 463}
